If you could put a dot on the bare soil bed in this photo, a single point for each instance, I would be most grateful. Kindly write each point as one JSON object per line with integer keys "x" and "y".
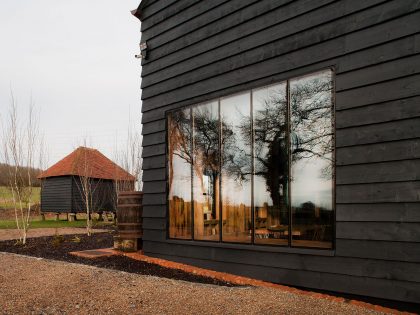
{"x": 58, "y": 248}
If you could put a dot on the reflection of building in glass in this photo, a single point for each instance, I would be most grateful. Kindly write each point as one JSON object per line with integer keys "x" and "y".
{"x": 258, "y": 166}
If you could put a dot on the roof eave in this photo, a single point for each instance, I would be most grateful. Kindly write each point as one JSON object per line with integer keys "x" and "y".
{"x": 138, "y": 12}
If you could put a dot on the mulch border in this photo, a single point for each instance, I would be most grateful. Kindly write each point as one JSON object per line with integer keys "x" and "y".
{"x": 240, "y": 280}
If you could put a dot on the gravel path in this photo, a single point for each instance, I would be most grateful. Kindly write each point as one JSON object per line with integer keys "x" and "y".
{"x": 38, "y": 286}
{"x": 11, "y": 234}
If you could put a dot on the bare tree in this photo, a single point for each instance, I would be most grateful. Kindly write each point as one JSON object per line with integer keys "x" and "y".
{"x": 22, "y": 149}
{"x": 129, "y": 158}
{"x": 88, "y": 186}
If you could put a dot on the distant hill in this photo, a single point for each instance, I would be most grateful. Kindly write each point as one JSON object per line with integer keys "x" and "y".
{"x": 5, "y": 169}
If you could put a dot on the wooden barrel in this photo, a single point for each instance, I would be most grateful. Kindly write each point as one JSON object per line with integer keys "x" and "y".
{"x": 129, "y": 219}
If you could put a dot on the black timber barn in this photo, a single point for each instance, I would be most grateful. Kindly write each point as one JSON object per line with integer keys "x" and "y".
{"x": 281, "y": 140}
{"x": 62, "y": 189}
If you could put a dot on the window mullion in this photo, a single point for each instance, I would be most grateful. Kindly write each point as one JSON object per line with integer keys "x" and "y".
{"x": 192, "y": 172}
{"x": 252, "y": 169}
{"x": 220, "y": 174}
{"x": 289, "y": 162}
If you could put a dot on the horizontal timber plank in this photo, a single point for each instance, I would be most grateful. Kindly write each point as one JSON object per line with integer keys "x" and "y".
{"x": 379, "y": 152}
{"x": 171, "y": 8}
{"x": 383, "y": 212}
{"x": 377, "y": 73}
{"x": 154, "y": 187}
{"x": 378, "y": 113}
{"x": 153, "y": 150}
{"x": 155, "y": 235}
{"x": 377, "y": 93}
{"x": 155, "y": 7}
{"x": 154, "y": 162}
{"x": 379, "y": 192}
{"x": 154, "y": 211}
{"x": 154, "y": 199}
{"x": 400, "y": 47}
{"x": 379, "y": 231}
{"x": 405, "y": 170}
{"x": 154, "y": 223}
{"x": 154, "y": 138}
{"x": 398, "y": 251}
{"x": 152, "y": 127}
{"x": 154, "y": 174}
{"x": 381, "y": 132}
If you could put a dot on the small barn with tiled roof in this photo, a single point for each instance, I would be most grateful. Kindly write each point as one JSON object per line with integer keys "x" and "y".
{"x": 62, "y": 189}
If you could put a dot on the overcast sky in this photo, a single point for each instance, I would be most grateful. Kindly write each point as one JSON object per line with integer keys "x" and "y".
{"x": 76, "y": 59}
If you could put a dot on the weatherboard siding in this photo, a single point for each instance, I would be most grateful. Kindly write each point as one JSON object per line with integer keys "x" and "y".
{"x": 103, "y": 199}
{"x": 62, "y": 194}
{"x": 56, "y": 194}
{"x": 200, "y": 50}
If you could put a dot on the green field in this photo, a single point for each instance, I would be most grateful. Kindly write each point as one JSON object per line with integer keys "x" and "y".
{"x": 7, "y": 214}
{"x": 6, "y": 199}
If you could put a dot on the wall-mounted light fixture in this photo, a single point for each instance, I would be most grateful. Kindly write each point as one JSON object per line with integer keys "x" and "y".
{"x": 143, "y": 51}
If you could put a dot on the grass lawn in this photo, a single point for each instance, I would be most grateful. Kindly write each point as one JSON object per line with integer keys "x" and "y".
{"x": 6, "y": 200}
{"x": 8, "y": 222}
{"x": 37, "y": 223}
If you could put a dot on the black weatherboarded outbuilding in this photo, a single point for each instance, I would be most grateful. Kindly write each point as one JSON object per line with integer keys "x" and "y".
{"x": 62, "y": 189}
{"x": 282, "y": 140}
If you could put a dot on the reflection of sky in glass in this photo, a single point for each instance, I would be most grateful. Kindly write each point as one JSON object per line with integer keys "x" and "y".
{"x": 181, "y": 185}
{"x": 235, "y": 111}
{"x": 308, "y": 184}
{"x": 311, "y": 137}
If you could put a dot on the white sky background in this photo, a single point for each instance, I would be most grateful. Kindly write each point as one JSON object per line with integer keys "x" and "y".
{"x": 76, "y": 59}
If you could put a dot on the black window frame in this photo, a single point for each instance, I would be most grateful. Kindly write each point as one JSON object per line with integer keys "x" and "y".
{"x": 250, "y": 90}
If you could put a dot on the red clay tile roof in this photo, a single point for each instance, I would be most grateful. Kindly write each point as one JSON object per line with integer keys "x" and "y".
{"x": 87, "y": 162}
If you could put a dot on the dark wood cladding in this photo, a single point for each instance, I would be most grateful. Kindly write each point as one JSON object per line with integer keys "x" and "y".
{"x": 200, "y": 50}
{"x": 63, "y": 194}
{"x": 103, "y": 198}
{"x": 56, "y": 194}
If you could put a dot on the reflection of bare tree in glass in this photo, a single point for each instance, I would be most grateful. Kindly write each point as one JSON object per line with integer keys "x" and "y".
{"x": 206, "y": 146}
{"x": 310, "y": 103}
{"x": 310, "y": 137}
{"x": 206, "y": 153}
{"x": 270, "y": 151}
{"x": 179, "y": 136}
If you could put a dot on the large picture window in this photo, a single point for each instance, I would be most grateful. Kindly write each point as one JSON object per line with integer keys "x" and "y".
{"x": 256, "y": 167}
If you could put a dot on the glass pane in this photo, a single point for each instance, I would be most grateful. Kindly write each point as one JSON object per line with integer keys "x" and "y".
{"x": 236, "y": 168}
{"x": 271, "y": 166}
{"x": 312, "y": 160}
{"x": 179, "y": 149}
{"x": 206, "y": 172}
